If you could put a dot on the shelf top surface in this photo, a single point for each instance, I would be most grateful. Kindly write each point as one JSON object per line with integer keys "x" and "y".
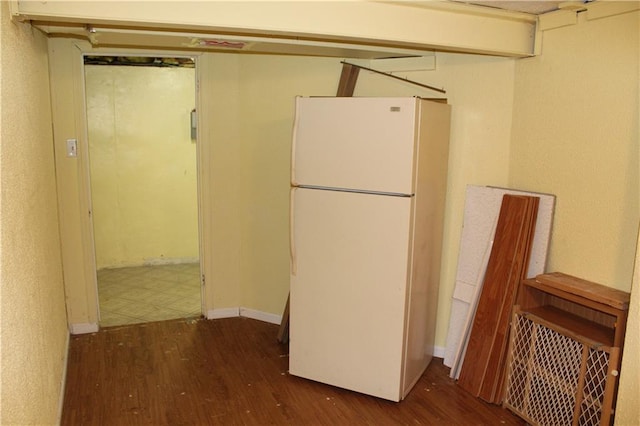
{"x": 589, "y": 290}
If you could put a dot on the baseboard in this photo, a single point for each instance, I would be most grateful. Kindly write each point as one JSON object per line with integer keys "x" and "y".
{"x": 63, "y": 381}
{"x": 243, "y": 312}
{"x": 84, "y": 328}
{"x": 159, "y": 261}
{"x": 169, "y": 261}
{"x": 438, "y": 351}
{"x": 223, "y": 313}
{"x": 259, "y": 315}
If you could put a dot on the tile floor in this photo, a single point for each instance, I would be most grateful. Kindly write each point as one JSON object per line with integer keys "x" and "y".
{"x": 148, "y": 293}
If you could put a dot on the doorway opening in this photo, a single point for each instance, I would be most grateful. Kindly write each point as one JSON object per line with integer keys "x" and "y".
{"x": 144, "y": 187}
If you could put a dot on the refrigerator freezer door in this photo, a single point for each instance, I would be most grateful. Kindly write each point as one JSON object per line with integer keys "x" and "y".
{"x": 348, "y": 288}
{"x": 355, "y": 143}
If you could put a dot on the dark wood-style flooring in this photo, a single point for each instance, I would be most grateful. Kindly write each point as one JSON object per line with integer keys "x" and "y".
{"x": 233, "y": 372}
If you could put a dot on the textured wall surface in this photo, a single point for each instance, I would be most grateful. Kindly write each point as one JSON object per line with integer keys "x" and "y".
{"x": 628, "y": 409}
{"x": 575, "y": 135}
{"x": 143, "y": 164}
{"x": 34, "y": 328}
{"x": 268, "y": 86}
{"x": 479, "y": 88}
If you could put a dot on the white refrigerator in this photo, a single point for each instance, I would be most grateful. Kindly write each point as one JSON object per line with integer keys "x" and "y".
{"x": 368, "y": 183}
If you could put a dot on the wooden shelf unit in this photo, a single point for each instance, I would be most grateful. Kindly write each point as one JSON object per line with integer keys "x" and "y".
{"x": 566, "y": 344}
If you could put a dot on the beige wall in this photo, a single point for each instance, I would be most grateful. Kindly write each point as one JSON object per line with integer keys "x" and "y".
{"x": 628, "y": 409}
{"x": 480, "y": 88}
{"x": 575, "y": 135}
{"x": 220, "y": 171}
{"x": 143, "y": 164}
{"x": 246, "y": 104}
{"x": 268, "y": 86}
{"x": 34, "y": 326}
{"x": 246, "y": 121}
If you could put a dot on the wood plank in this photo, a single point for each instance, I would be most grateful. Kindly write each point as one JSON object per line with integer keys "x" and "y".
{"x": 589, "y": 290}
{"x": 493, "y": 384}
{"x": 506, "y": 268}
{"x": 233, "y": 372}
{"x": 348, "y": 79}
{"x": 553, "y": 290}
{"x": 611, "y": 387}
{"x": 283, "y": 330}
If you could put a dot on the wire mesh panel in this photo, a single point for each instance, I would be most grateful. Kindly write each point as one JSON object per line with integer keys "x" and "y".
{"x": 554, "y": 379}
{"x": 518, "y": 369}
{"x": 594, "y": 387}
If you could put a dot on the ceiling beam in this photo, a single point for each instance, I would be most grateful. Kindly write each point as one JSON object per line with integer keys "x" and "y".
{"x": 438, "y": 25}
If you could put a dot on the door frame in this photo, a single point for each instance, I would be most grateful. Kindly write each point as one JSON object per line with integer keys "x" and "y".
{"x": 68, "y": 99}
{"x": 87, "y": 159}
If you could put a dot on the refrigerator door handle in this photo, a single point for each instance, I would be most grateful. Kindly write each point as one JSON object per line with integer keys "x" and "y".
{"x": 292, "y": 239}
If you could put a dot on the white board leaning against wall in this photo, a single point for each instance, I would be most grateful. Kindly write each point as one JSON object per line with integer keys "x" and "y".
{"x": 481, "y": 211}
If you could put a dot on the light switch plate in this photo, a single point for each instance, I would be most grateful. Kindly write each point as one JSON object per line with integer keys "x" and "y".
{"x": 72, "y": 147}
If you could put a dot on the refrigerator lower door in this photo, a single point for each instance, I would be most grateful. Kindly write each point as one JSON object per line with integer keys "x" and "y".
{"x": 348, "y": 289}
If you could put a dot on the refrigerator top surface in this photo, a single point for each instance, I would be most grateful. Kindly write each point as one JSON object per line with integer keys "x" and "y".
{"x": 358, "y": 144}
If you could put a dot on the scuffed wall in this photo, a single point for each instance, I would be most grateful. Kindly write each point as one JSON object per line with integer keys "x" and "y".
{"x": 34, "y": 327}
